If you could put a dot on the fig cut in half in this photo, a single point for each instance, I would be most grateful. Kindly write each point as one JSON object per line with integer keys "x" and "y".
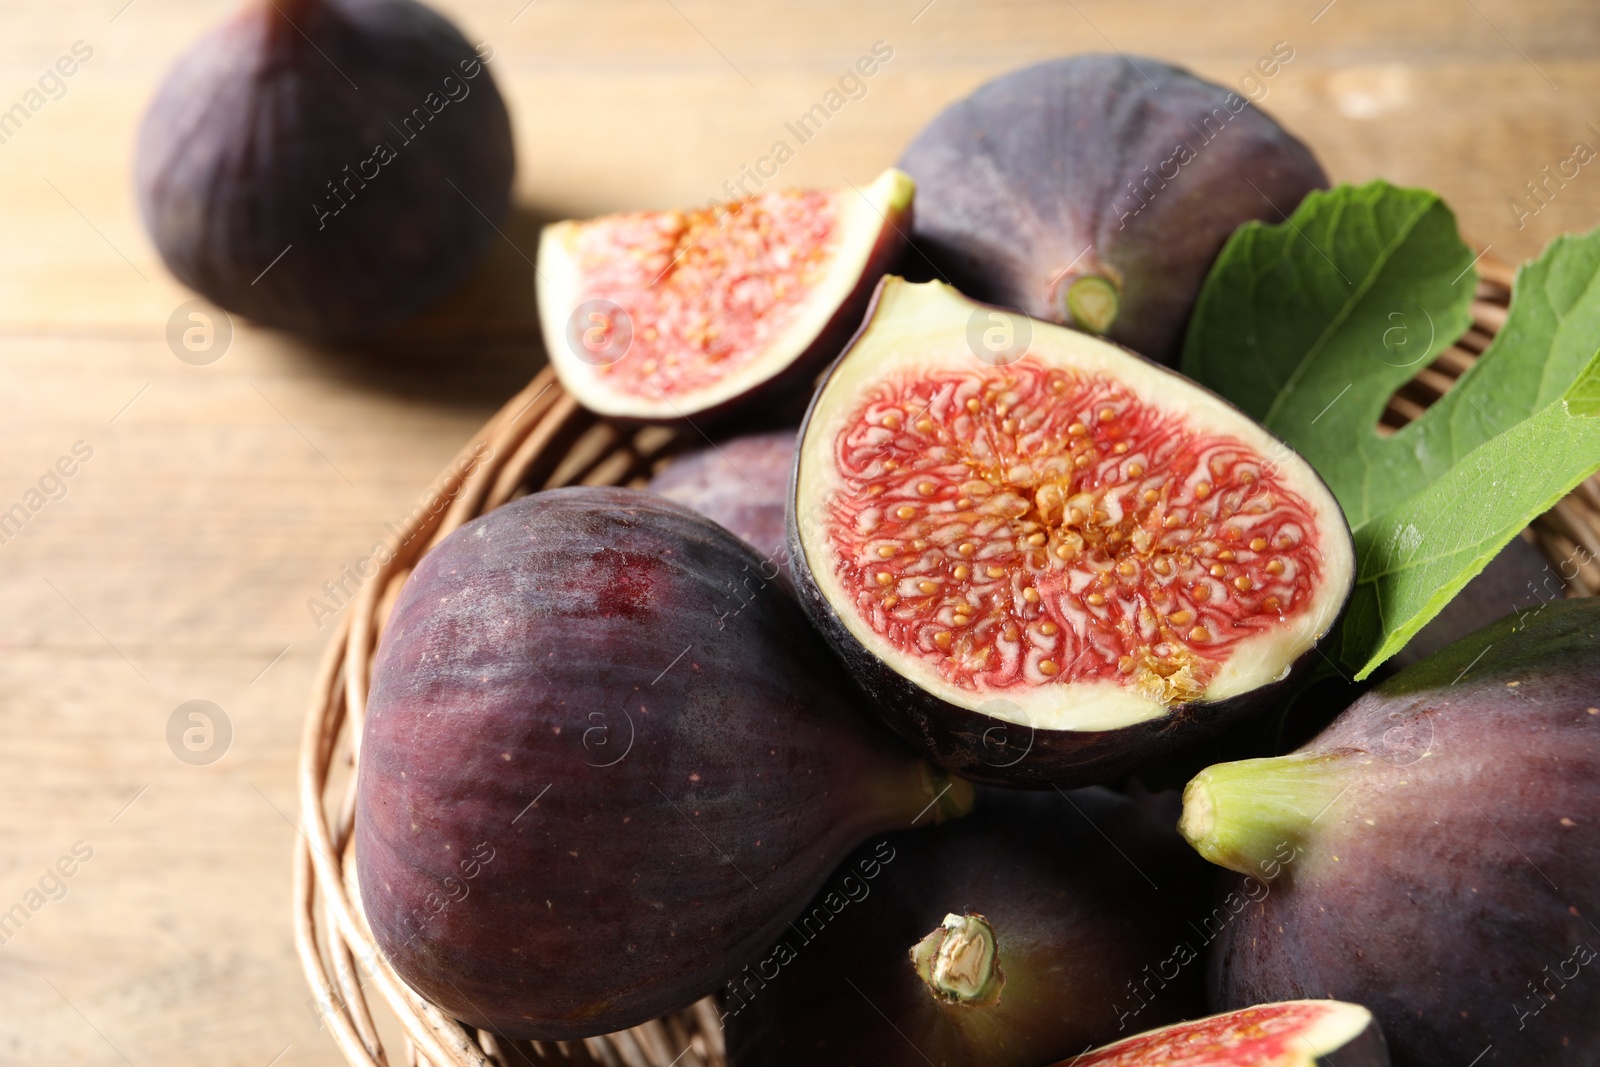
{"x": 660, "y": 316}
{"x": 1290, "y": 1033}
{"x": 1049, "y": 559}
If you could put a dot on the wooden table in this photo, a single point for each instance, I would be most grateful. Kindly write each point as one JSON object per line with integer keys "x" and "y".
{"x": 177, "y": 561}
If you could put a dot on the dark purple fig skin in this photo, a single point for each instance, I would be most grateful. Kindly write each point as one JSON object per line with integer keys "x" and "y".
{"x": 598, "y": 777}
{"x": 1088, "y": 898}
{"x": 1027, "y": 178}
{"x": 249, "y": 128}
{"x": 982, "y": 748}
{"x": 741, "y": 485}
{"x": 1481, "y": 875}
{"x": 992, "y": 751}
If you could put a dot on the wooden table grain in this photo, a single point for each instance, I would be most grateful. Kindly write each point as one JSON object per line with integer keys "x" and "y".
{"x": 208, "y": 505}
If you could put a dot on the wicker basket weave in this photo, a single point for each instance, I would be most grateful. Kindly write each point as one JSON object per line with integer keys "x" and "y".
{"x": 542, "y": 439}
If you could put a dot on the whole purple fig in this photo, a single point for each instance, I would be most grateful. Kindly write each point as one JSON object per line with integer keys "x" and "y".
{"x": 1095, "y": 191}
{"x": 1431, "y": 855}
{"x": 328, "y": 167}
{"x": 601, "y": 770}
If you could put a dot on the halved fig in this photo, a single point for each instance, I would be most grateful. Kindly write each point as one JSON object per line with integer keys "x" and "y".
{"x": 1291, "y": 1033}
{"x": 1096, "y": 190}
{"x": 1051, "y": 560}
{"x": 665, "y": 315}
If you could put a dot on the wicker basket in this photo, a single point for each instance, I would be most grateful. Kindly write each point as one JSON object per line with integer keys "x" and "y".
{"x": 541, "y": 439}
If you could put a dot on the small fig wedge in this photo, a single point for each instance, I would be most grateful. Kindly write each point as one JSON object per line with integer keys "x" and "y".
{"x": 742, "y": 484}
{"x": 1038, "y": 926}
{"x": 1294, "y": 1033}
{"x": 595, "y": 782}
{"x": 1096, "y": 190}
{"x": 661, "y": 316}
{"x": 1051, "y": 560}
{"x": 1433, "y": 854}
{"x": 329, "y": 167}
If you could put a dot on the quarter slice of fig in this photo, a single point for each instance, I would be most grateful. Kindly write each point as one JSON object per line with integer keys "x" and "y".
{"x": 665, "y": 315}
{"x": 1096, "y": 191}
{"x": 599, "y": 774}
{"x": 1291, "y": 1033}
{"x": 1051, "y": 560}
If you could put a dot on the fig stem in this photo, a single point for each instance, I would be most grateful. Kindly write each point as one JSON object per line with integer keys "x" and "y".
{"x": 959, "y": 961}
{"x": 1256, "y": 815}
{"x": 949, "y": 797}
{"x": 1093, "y": 303}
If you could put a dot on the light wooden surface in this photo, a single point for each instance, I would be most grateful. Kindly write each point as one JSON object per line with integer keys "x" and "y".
{"x": 218, "y": 499}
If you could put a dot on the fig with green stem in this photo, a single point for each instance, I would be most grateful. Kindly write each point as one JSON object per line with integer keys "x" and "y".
{"x": 1437, "y": 853}
{"x": 1096, "y": 190}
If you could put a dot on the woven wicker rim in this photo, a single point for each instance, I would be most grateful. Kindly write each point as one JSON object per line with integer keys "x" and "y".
{"x": 542, "y": 438}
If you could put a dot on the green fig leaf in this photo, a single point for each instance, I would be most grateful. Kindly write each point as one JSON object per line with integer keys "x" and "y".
{"x": 1312, "y": 324}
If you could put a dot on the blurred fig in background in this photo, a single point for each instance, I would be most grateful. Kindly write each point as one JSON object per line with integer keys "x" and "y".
{"x": 327, "y": 167}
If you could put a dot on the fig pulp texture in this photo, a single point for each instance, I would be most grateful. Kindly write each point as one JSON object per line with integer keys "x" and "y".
{"x": 1053, "y": 562}
{"x": 599, "y": 775}
{"x": 741, "y": 484}
{"x": 1296, "y": 1033}
{"x": 1433, "y": 854}
{"x": 666, "y": 315}
{"x": 1096, "y": 190}
{"x": 329, "y": 167}
{"x": 1040, "y": 925}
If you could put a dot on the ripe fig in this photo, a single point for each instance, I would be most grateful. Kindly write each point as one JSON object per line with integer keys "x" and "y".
{"x": 329, "y": 167}
{"x": 1096, "y": 190}
{"x": 665, "y": 315}
{"x": 742, "y": 485}
{"x": 1040, "y": 925}
{"x": 1434, "y": 851}
{"x": 1053, "y": 562}
{"x": 598, "y": 774}
{"x": 1294, "y": 1033}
